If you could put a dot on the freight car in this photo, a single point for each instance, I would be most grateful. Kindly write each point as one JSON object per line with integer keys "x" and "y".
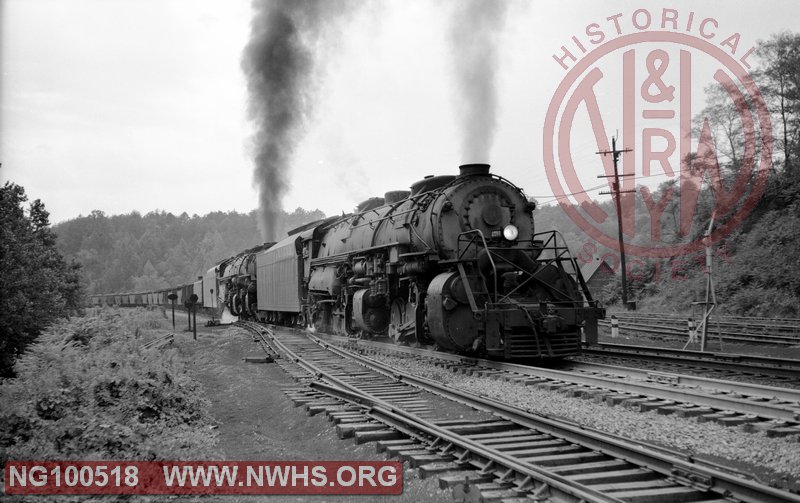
{"x": 454, "y": 262}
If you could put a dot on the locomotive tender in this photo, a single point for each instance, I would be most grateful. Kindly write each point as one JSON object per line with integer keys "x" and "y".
{"x": 454, "y": 262}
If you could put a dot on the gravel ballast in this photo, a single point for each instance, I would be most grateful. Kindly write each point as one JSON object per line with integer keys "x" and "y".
{"x": 767, "y": 458}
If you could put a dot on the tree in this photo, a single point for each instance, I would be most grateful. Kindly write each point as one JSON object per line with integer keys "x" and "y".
{"x": 781, "y": 84}
{"x": 149, "y": 280}
{"x": 39, "y": 286}
{"x": 115, "y": 250}
{"x": 722, "y": 114}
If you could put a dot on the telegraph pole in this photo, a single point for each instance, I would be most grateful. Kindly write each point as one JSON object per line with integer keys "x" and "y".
{"x": 615, "y": 191}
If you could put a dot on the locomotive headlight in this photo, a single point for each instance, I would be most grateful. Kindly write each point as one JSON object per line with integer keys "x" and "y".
{"x": 510, "y": 232}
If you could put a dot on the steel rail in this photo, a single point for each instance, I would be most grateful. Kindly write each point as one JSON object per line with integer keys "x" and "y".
{"x": 672, "y": 464}
{"x": 392, "y": 415}
{"x": 380, "y": 407}
{"x": 158, "y": 341}
{"x": 784, "y": 412}
{"x": 733, "y": 321}
{"x": 745, "y": 363}
{"x": 681, "y": 332}
{"x": 714, "y": 385}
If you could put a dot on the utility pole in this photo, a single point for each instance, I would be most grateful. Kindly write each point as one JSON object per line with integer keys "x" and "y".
{"x": 615, "y": 191}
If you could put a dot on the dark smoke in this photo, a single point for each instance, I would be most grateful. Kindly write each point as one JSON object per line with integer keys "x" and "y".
{"x": 279, "y": 63}
{"x": 474, "y": 28}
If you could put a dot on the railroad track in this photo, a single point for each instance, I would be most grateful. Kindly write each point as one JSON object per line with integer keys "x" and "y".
{"x": 159, "y": 342}
{"x": 776, "y": 411}
{"x": 733, "y": 330}
{"x": 724, "y": 365}
{"x": 736, "y": 323}
{"x": 486, "y": 450}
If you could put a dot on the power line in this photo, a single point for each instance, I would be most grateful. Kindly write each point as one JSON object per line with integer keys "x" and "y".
{"x": 554, "y": 196}
{"x": 546, "y": 199}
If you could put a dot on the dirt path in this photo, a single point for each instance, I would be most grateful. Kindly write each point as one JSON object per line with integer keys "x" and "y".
{"x": 256, "y": 421}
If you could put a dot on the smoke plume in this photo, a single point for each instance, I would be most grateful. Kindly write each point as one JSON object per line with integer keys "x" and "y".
{"x": 474, "y": 28}
{"x": 280, "y": 65}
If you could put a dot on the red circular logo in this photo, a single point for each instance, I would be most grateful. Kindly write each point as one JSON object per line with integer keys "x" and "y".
{"x": 660, "y": 137}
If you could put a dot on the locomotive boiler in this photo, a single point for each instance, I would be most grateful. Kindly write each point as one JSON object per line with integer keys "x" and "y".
{"x": 454, "y": 262}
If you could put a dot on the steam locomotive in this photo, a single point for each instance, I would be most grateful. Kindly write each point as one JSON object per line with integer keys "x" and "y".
{"x": 454, "y": 262}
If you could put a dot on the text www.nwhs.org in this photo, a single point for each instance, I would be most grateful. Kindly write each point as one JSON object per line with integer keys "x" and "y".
{"x": 280, "y": 476}
{"x": 203, "y": 477}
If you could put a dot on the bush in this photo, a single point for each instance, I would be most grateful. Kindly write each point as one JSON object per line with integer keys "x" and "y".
{"x": 87, "y": 390}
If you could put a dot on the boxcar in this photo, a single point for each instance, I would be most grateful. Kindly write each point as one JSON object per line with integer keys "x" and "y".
{"x": 278, "y": 277}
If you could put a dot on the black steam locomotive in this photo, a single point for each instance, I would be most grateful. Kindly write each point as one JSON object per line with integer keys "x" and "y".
{"x": 454, "y": 262}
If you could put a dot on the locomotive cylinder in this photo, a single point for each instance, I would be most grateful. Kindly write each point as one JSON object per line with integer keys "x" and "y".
{"x": 370, "y": 312}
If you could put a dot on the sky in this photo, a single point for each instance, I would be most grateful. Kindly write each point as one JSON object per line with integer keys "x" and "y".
{"x": 123, "y": 105}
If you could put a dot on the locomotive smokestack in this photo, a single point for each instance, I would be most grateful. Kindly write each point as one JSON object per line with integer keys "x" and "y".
{"x": 279, "y": 63}
{"x": 474, "y": 29}
{"x": 473, "y": 169}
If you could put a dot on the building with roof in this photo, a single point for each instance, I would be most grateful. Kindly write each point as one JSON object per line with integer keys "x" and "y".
{"x": 598, "y": 274}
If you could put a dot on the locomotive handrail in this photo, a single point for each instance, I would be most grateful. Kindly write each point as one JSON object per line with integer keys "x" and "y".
{"x": 560, "y": 256}
{"x": 488, "y": 253}
{"x": 421, "y": 239}
{"x": 332, "y": 259}
{"x": 388, "y": 216}
{"x": 533, "y": 276}
{"x": 553, "y": 235}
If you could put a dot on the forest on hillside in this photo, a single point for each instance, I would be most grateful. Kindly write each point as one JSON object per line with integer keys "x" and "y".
{"x": 134, "y": 252}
